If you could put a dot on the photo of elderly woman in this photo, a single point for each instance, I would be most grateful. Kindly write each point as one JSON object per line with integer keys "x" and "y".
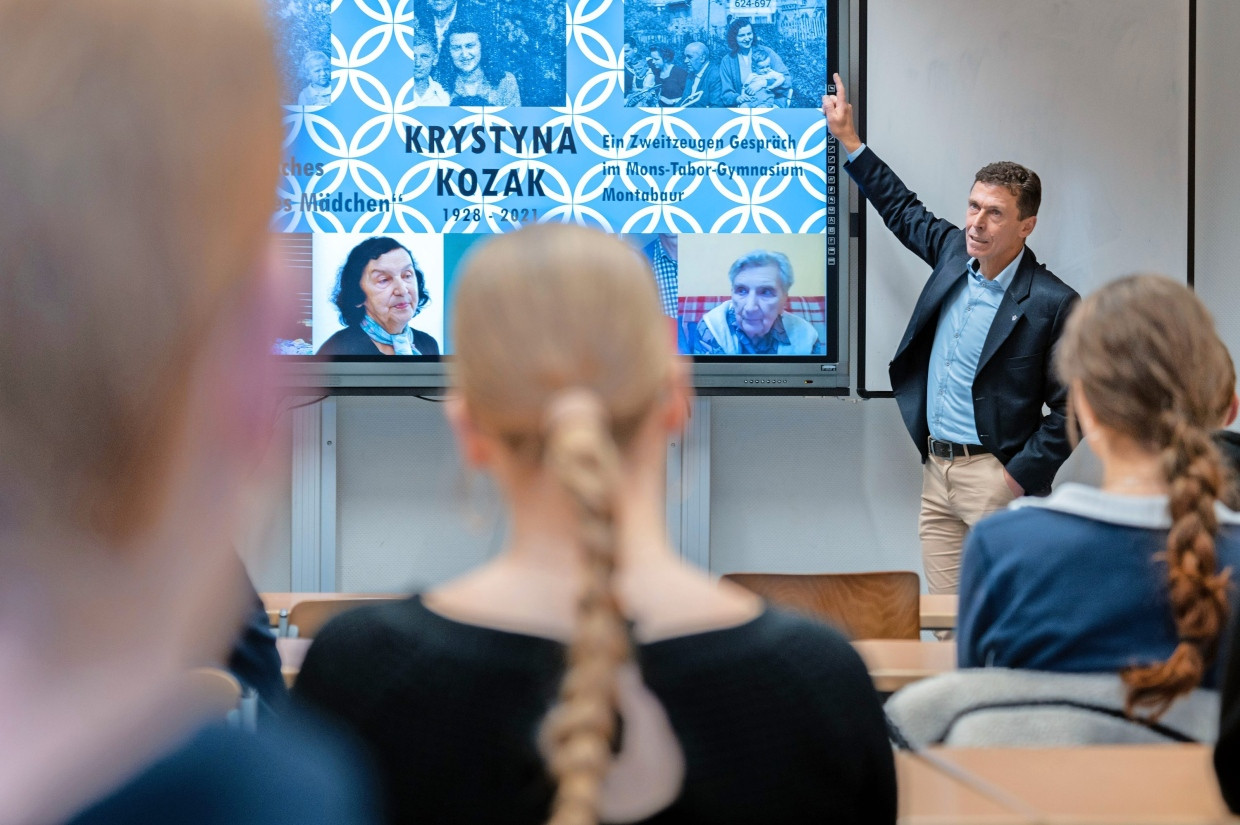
{"x": 754, "y": 321}
{"x": 772, "y": 57}
{"x": 378, "y": 291}
{"x": 475, "y": 79}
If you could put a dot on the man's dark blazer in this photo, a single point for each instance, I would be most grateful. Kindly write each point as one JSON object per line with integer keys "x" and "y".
{"x": 1014, "y": 374}
{"x": 710, "y": 87}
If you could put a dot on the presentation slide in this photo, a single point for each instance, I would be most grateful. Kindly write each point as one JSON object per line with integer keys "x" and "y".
{"x": 689, "y": 127}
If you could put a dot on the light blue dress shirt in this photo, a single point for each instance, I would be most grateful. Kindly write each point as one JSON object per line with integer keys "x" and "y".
{"x": 964, "y": 321}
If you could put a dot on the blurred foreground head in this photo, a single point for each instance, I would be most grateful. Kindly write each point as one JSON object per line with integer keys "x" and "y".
{"x": 138, "y": 150}
{"x": 139, "y": 142}
{"x": 1147, "y": 373}
{"x": 551, "y": 308}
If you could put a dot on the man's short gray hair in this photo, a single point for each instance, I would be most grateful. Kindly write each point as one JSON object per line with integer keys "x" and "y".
{"x": 764, "y": 257}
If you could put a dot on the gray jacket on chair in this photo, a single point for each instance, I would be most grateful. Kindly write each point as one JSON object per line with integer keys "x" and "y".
{"x": 998, "y": 707}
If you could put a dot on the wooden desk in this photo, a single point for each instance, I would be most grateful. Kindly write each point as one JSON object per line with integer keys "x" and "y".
{"x": 292, "y": 654}
{"x": 930, "y": 796}
{"x": 894, "y": 663}
{"x": 275, "y": 602}
{"x": 1103, "y": 785}
{"x": 938, "y": 611}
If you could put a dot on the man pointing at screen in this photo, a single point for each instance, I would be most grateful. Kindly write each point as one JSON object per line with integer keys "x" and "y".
{"x": 973, "y": 369}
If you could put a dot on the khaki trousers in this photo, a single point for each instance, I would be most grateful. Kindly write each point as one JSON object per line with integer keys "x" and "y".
{"x": 955, "y": 495}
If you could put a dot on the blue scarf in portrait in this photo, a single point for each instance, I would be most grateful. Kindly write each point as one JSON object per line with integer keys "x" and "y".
{"x": 402, "y": 343}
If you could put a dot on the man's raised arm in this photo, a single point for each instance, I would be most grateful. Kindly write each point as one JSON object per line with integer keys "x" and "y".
{"x": 907, "y": 217}
{"x": 839, "y": 113}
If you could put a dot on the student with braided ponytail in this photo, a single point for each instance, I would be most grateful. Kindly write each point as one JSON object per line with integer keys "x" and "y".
{"x": 586, "y": 674}
{"x": 1131, "y": 578}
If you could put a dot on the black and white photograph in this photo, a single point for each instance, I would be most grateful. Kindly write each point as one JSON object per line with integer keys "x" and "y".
{"x": 303, "y": 34}
{"x": 477, "y": 53}
{"x": 725, "y": 53}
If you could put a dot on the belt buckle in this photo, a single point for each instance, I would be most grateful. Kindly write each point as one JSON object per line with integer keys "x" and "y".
{"x": 946, "y": 450}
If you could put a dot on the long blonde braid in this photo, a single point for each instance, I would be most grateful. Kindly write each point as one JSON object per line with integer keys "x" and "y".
{"x": 581, "y": 453}
{"x": 562, "y": 350}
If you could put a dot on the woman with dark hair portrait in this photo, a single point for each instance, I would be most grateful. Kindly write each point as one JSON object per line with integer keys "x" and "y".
{"x": 741, "y": 84}
{"x": 474, "y": 79}
{"x": 378, "y": 292}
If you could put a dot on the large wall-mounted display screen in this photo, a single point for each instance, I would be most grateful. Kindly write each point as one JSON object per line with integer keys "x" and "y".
{"x": 691, "y": 128}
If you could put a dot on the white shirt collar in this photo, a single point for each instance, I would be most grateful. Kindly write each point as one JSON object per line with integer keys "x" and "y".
{"x": 1150, "y": 512}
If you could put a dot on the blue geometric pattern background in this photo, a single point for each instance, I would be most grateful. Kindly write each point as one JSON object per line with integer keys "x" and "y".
{"x": 366, "y": 163}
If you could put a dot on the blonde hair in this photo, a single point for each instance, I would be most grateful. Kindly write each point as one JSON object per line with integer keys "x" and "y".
{"x": 140, "y": 143}
{"x": 1149, "y": 362}
{"x": 562, "y": 351}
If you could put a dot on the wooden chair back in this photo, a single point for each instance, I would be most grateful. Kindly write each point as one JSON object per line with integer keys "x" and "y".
{"x": 309, "y": 615}
{"x": 880, "y": 605}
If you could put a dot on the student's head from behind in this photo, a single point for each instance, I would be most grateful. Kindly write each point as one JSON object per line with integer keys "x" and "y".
{"x": 151, "y": 254}
{"x": 316, "y": 68}
{"x": 1002, "y": 212}
{"x": 424, "y": 55}
{"x": 581, "y": 309}
{"x": 380, "y": 279}
{"x": 565, "y": 387}
{"x": 760, "y": 283}
{"x": 1149, "y": 378}
{"x": 135, "y": 308}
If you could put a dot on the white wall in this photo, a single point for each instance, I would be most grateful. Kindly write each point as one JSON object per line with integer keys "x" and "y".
{"x": 1091, "y": 94}
{"x": 1218, "y": 164}
{"x": 807, "y": 484}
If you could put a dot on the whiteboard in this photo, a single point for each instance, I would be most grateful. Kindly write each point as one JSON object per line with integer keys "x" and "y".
{"x": 1090, "y": 94}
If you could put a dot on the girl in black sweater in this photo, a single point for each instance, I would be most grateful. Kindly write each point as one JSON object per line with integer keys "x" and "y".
{"x": 587, "y": 674}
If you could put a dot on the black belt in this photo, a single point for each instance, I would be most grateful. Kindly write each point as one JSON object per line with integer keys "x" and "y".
{"x": 951, "y": 450}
